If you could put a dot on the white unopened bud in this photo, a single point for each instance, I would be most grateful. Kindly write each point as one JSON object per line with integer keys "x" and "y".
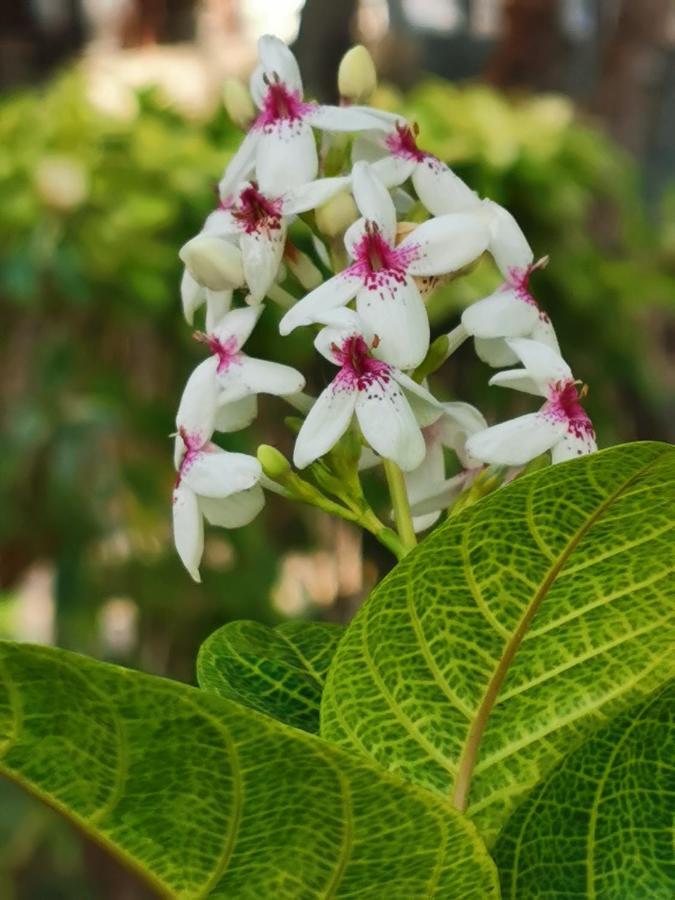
{"x": 238, "y": 103}
{"x": 357, "y": 78}
{"x": 336, "y": 214}
{"x": 213, "y": 262}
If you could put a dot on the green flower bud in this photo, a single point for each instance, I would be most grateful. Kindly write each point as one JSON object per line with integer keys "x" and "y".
{"x": 274, "y": 464}
{"x": 238, "y": 103}
{"x": 337, "y": 214}
{"x": 357, "y": 78}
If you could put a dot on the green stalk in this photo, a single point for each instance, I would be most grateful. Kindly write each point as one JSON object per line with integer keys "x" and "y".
{"x": 400, "y": 504}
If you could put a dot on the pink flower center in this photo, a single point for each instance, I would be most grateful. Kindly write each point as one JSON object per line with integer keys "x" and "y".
{"x": 281, "y": 105}
{"x": 358, "y": 368}
{"x": 564, "y": 405}
{"x": 376, "y": 262}
{"x": 403, "y": 144}
{"x": 255, "y": 212}
{"x": 194, "y": 444}
{"x": 227, "y": 351}
{"x": 519, "y": 282}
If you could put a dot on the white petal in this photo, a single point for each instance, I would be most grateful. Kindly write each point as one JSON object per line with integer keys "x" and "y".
{"x": 188, "y": 529}
{"x": 502, "y": 314}
{"x": 426, "y": 478}
{"x": 517, "y": 380}
{"x": 236, "y": 415}
{"x": 221, "y": 223}
{"x": 508, "y": 244}
{"x": 217, "y": 304}
{"x": 337, "y": 291}
{"x": 213, "y": 262}
{"x": 544, "y": 332}
{"x": 444, "y": 496}
{"x": 354, "y": 234}
{"x": 515, "y": 442}
{"x": 197, "y": 406}
{"x": 424, "y": 405}
{"x": 369, "y": 146}
{"x": 346, "y": 118}
{"x": 459, "y": 422}
{"x": 192, "y": 296}
{"x": 543, "y": 364}
{"x": 325, "y": 424}
{"x": 446, "y": 243}
{"x": 261, "y": 253}
{"x": 259, "y": 376}
{"x": 388, "y": 424}
{"x": 277, "y": 59}
{"x": 316, "y": 193}
{"x": 393, "y": 170}
{"x": 343, "y": 323}
{"x": 233, "y": 511}
{"x": 238, "y": 324}
{"x": 240, "y": 166}
{"x": 218, "y": 473}
{"x": 373, "y": 200}
{"x": 395, "y": 312}
{"x": 424, "y": 481}
{"x": 440, "y": 190}
{"x": 286, "y": 156}
{"x": 572, "y": 445}
{"x": 494, "y": 351}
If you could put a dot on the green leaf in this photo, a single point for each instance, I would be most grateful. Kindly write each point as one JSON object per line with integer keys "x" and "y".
{"x": 513, "y": 631}
{"x": 208, "y": 799}
{"x": 278, "y": 671}
{"x": 599, "y": 828}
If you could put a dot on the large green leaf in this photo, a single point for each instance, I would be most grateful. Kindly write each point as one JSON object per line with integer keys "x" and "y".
{"x": 600, "y": 827}
{"x": 513, "y": 631}
{"x": 279, "y": 671}
{"x": 208, "y": 799}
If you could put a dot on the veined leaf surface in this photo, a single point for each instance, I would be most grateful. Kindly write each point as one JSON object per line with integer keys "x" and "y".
{"x": 278, "y": 671}
{"x": 600, "y": 826}
{"x": 206, "y": 798}
{"x": 513, "y": 631}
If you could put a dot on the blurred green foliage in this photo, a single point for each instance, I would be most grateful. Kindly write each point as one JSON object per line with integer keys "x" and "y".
{"x": 95, "y": 352}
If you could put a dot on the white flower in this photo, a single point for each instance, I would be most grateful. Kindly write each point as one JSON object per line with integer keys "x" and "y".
{"x": 372, "y": 390}
{"x": 429, "y": 492}
{"x": 194, "y": 295}
{"x": 280, "y": 147}
{"x": 442, "y": 192}
{"x": 220, "y": 393}
{"x": 511, "y": 311}
{"x": 256, "y": 224}
{"x": 381, "y": 276}
{"x": 212, "y": 484}
{"x": 561, "y": 425}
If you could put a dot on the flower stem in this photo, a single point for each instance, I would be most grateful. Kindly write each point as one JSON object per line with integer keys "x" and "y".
{"x": 400, "y": 504}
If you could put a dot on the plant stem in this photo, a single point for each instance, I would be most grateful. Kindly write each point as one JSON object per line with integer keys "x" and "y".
{"x": 400, "y": 503}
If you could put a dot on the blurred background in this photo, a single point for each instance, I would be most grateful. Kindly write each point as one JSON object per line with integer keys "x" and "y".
{"x": 112, "y": 135}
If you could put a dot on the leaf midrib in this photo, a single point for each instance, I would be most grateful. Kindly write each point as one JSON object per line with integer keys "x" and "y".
{"x": 469, "y": 754}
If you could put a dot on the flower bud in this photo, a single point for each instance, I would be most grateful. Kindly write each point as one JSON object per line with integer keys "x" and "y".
{"x": 302, "y": 267}
{"x": 238, "y": 103}
{"x": 274, "y": 464}
{"x": 337, "y": 214}
{"x": 357, "y": 78}
{"x": 213, "y": 262}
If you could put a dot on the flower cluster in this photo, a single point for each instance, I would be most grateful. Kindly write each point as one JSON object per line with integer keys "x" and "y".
{"x": 369, "y": 319}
